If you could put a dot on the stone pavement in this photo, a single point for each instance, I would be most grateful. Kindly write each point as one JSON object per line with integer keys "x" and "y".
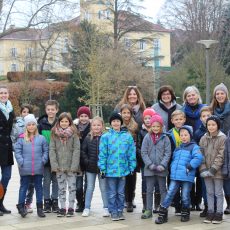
{"x": 95, "y": 221}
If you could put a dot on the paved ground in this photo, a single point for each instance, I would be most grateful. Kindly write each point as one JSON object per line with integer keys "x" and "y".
{"x": 95, "y": 221}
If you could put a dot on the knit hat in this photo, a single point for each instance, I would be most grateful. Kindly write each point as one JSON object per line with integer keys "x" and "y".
{"x": 214, "y": 118}
{"x": 115, "y": 116}
{"x": 30, "y": 118}
{"x": 221, "y": 87}
{"x": 156, "y": 118}
{"x": 188, "y": 128}
{"x": 83, "y": 110}
{"x": 149, "y": 112}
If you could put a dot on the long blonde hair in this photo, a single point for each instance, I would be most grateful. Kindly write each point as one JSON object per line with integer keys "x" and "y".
{"x": 27, "y": 135}
{"x": 97, "y": 118}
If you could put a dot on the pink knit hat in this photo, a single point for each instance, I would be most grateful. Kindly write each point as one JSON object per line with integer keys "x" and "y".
{"x": 83, "y": 110}
{"x": 149, "y": 112}
{"x": 156, "y": 118}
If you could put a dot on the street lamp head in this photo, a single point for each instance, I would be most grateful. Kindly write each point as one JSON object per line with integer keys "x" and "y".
{"x": 207, "y": 43}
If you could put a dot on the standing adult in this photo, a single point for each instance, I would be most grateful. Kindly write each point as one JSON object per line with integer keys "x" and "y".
{"x": 6, "y": 150}
{"x": 166, "y": 105}
{"x": 134, "y": 98}
{"x": 192, "y": 106}
{"x": 221, "y": 108}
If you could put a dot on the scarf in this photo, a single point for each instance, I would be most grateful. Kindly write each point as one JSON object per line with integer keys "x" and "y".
{"x": 64, "y": 134}
{"x": 169, "y": 111}
{"x": 176, "y": 137}
{"x": 136, "y": 108}
{"x": 222, "y": 112}
{"x": 81, "y": 127}
{"x": 6, "y": 108}
{"x": 193, "y": 111}
{"x": 155, "y": 137}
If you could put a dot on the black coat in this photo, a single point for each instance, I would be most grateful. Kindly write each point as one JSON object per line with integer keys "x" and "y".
{"x": 89, "y": 154}
{"x": 6, "y": 149}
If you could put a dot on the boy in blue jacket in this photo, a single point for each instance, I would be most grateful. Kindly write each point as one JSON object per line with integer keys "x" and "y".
{"x": 186, "y": 158}
{"x": 117, "y": 159}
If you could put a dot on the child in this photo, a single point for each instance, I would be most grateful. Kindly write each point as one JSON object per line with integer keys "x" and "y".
{"x": 89, "y": 152}
{"x": 205, "y": 112}
{"x": 45, "y": 124}
{"x": 31, "y": 153}
{"x": 147, "y": 115}
{"x": 212, "y": 144}
{"x": 83, "y": 126}
{"x": 64, "y": 159}
{"x": 18, "y": 128}
{"x": 186, "y": 158}
{"x": 130, "y": 180}
{"x": 156, "y": 152}
{"x": 117, "y": 159}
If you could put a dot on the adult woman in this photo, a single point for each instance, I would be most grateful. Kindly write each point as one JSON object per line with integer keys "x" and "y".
{"x": 166, "y": 105}
{"x": 6, "y": 156}
{"x": 192, "y": 106}
{"x": 132, "y": 97}
{"x": 221, "y": 107}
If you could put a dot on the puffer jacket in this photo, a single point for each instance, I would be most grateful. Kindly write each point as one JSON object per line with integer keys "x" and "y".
{"x": 117, "y": 153}
{"x": 158, "y": 154}
{"x": 18, "y": 128}
{"x": 226, "y": 165}
{"x": 213, "y": 151}
{"x": 89, "y": 153}
{"x": 65, "y": 157}
{"x": 31, "y": 156}
{"x": 187, "y": 155}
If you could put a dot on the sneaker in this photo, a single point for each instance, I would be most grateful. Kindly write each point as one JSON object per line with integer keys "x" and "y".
{"x": 106, "y": 213}
{"x": 217, "y": 219}
{"x": 121, "y": 216}
{"x": 209, "y": 218}
{"x": 114, "y": 217}
{"x": 147, "y": 214}
{"x": 62, "y": 212}
{"x": 29, "y": 208}
{"x": 70, "y": 212}
{"x": 85, "y": 212}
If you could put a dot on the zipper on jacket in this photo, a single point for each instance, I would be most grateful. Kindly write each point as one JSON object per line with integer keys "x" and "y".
{"x": 32, "y": 156}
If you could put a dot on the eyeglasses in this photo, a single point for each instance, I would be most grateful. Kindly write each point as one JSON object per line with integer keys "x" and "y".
{"x": 132, "y": 86}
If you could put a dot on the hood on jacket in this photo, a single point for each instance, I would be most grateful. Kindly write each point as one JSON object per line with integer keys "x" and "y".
{"x": 20, "y": 121}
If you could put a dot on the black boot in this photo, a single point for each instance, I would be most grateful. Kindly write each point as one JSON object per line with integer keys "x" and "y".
{"x": 185, "y": 214}
{"x": 204, "y": 213}
{"x": 21, "y": 209}
{"x": 2, "y": 208}
{"x": 198, "y": 208}
{"x": 162, "y": 216}
{"x": 227, "y": 210}
{"x": 157, "y": 200}
{"x": 144, "y": 202}
{"x": 129, "y": 207}
{"x": 55, "y": 207}
{"x": 40, "y": 210}
{"x": 47, "y": 206}
{"x": 80, "y": 201}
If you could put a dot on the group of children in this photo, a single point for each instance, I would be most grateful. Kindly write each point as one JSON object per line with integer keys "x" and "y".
{"x": 66, "y": 151}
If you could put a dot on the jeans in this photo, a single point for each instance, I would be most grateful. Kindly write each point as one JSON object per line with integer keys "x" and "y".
{"x": 24, "y": 184}
{"x": 6, "y": 175}
{"x": 204, "y": 193}
{"x": 30, "y": 192}
{"x": 185, "y": 196}
{"x": 130, "y": 187}
{"x": 227, "y": 187}
{"x": 116, "y": 194}
{"x": 48, "y": 177}
{"x": 91, "y": 179}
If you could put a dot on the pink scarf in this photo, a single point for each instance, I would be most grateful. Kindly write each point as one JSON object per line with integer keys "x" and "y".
{"x": 155, "y": 137}
{"x": 64, "y": 134}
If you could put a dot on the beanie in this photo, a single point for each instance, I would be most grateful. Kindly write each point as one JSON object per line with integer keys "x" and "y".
{"x": 115, "y": 116}
{"x": 221, "y": 87}
{"x": 149, "y": 112}
{"x": 188, "y": 128}
{"x": 30, "y": 118}
{"x": 214, "y": 118}
{"x": 156, "y": 118}
{"x": 84, "y": 110}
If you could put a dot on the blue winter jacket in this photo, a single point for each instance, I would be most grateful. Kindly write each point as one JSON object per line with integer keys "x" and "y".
{"x": 117, "y": 153}
{"x": 31, "y": 156}
{"x": 186, "y": 158}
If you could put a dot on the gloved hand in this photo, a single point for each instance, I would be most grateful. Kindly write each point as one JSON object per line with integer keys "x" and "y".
{"x": 152, "y": 167}
{"x": 206, "y": 174}
{"x": 160, "y": 168}
{"x": 188, "y": 168}
{"x": 102, "y": 174}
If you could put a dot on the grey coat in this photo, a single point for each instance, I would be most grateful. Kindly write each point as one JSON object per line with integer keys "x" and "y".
{"x": 65, "y": 157}
{"x": 158, "y": 154}
{"x": 31, "y": 156}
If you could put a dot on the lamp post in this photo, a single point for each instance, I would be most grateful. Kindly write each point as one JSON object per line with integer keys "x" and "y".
{"x": 50, "y": 80}
{"x": 207, "y": 44}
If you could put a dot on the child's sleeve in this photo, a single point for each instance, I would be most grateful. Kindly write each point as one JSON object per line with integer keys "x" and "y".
{"x": 14, "y": 134}
{"x": 132, "y": 155}
{"x": 84, "y": 153}
{"x": 103, "y": 153}
{"x": 53, "y": 155}
{"x": 45, "y": 148}
{"x": 203, "y": 166}
{"x": 144, "y": 151}
{"x": 197, "y": 157}
{"x": 18, "y": 149}
{"x": 76, "y": 155}
{"x": 167, "y": 153}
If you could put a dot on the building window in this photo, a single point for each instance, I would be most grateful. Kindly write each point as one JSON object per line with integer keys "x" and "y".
{"x": 156, "y": 46}
{"x": 14, "y": 52}
{"x": 29, "y": 52}
{"x": 127, "y": 42}
{"x": 65, "y": 48}
{"x": 142, "y": 45}
{"x": 28, "y": 67}
{"x": 104, "y": 14}
{"x": 13, "y": 67}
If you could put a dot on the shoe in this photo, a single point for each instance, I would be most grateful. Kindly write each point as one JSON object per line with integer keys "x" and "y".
{"x": 227, "y": 210}
{"x": 193, "y": 207}
{"x": 185, "y": 214}
{"x": 106, "y": 213}
{"x": 70, "y": 212}
{"x": 204, "y": 213}
{"x": 198, "y": 208}
{"x": 177, "y": 211}
{"x": 114, "y": 217}
{"x": 162, "y": 216}
{"x": 134, "y": 204}
{"x": 121, "y": 216}
{"x": 29, "y": 208}
{"x": 2, "y": 207}
{"x": 40, "y": 210}
{"x": 129, "y": 207}
{"x": 217, "y": 219}
{"x": 147, "y": 214}
{"x": 209, "y": 218}
{"x": 61, "y": 213}
{"x": 80, "y": 208}
{"x": 85, "y": 212}
{"x": 54, "y": 206}
{"x": 1, "y": 213}
{"x": 47, "y": 206}
{"x": 157, "y": 199}
{"x": 144, "y": 202}
{"x": 21, "y": 209}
